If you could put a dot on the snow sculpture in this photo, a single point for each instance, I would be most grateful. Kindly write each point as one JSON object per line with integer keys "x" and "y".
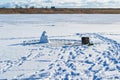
{"x": 44, "y": 38}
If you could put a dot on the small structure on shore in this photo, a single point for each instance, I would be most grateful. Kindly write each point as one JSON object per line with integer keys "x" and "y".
{"x": 52, "y": 7}
{"x": 44, "y": 38}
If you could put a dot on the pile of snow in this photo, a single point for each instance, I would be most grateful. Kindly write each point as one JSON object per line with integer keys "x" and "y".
{"x": 44, "y": 38}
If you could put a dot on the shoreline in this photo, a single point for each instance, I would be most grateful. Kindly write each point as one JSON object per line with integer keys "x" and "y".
{"x": 60, "y": 11}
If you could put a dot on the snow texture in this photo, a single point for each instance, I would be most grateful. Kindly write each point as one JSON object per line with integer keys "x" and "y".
{"x": 22, "y": 57}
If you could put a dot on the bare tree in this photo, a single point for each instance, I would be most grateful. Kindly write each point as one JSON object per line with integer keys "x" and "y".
{"x": 26, "y": 6}
{"x": 17, "y": 6}
{"x": 32, "y": 7}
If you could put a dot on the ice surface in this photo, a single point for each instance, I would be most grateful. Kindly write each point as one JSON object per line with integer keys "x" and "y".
{"x": 63, "y": 58}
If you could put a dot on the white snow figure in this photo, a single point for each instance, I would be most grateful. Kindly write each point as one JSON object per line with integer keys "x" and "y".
{"x": 44, "y": 38}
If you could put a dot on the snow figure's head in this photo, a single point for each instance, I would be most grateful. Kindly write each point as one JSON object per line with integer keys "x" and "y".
{"x": 44, "y": 33}
{"x": 44, "y": 37}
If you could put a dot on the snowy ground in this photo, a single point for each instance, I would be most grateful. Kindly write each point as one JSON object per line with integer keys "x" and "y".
{"x": 64, "y": 58}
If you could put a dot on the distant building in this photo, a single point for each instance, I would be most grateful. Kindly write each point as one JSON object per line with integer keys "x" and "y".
{"x": 52, "y": 7}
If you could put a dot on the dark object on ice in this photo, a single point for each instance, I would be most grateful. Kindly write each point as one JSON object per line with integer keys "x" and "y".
{"x": 85, "y": 41}
{"x": 44, "y": 38}
{"x": 90, "y": 44}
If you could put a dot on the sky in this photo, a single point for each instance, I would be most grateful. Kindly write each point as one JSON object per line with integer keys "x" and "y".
{"x": 62, "y": 3}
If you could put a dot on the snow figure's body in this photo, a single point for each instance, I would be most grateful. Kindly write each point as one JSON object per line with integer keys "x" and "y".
{"x": 44, "y": 38}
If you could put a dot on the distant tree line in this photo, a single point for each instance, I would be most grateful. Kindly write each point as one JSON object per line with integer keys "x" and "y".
{"x": 27, "y": 6}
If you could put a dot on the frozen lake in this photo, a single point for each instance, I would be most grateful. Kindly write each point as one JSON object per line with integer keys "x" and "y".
{"x": 64, "y": 58}
{"x": 33, "y": 24}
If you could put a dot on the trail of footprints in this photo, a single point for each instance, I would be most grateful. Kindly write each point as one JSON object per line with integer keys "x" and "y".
{"x": 75, "y": 63}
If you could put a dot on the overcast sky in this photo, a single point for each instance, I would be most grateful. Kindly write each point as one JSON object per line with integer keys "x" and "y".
{"x": 64, "y": 3}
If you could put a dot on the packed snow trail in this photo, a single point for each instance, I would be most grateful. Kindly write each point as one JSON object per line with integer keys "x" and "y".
{"x": 22, "y": 57}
